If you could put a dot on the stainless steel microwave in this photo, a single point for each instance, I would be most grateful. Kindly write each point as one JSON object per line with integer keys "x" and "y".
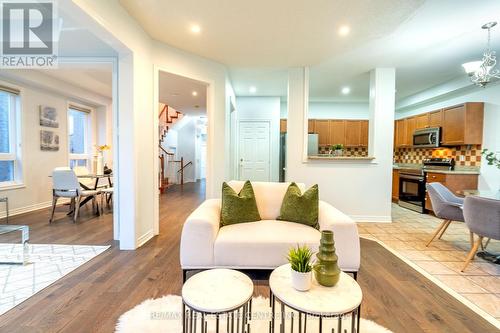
{"x": 427, "y": 137}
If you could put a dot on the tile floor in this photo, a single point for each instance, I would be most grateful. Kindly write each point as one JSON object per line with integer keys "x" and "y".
{"x": 443, "y": 259}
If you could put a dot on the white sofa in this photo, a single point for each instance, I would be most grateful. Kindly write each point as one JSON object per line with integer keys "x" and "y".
{"x": 262, "y": 244}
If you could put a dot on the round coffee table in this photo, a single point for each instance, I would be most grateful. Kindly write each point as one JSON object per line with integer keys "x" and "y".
{"x": 323, "y": 302}
{"x": 219, "y": 292}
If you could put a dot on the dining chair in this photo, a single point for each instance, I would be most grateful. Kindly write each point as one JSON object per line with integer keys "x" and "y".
{"x": 446, "y": 206}
{"x": 66, "y": 185}
{"x": 482, "y": 217}
{"x": 106, "y": 195}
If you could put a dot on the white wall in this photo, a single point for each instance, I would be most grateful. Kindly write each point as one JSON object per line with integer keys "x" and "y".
{"x": 359, "y": 189}
{"x": 186, "y": 148}
{"x": 263, "y": 108}
{"x": 38, "y": 89}
{"x": 489, "y": 178}
{"x": 334, "y": 110}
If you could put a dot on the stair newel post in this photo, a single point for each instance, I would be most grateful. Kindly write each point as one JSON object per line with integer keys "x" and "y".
{"x": 182, "y": 170}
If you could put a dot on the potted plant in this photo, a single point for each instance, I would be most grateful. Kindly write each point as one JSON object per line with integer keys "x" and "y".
{"x": 491, "y": 157}
{"x": 338, "y": 149}
{"x": 300, "y": 262}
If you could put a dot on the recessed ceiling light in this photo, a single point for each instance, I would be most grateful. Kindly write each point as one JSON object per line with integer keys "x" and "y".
{"x": 194, "y": 93}
{"x": 195, "y": 28}
{"x": 174, "y": 94}
{"x": 252, "y": 89}
{"x": 346, "y": 90}
{"x": 344, "y": 30}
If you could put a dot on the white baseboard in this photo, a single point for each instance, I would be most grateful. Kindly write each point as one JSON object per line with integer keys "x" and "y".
{"x": 144, "y": 238}
{"x": 30, "y": 208}
{"x": 371, "y": 219}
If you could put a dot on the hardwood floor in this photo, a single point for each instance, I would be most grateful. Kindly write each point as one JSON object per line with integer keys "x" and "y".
{"x": 92, "y": 298}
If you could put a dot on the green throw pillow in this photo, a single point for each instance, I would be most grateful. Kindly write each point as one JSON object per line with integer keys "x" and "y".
{"x": 301, "y": 208}
{"x": 238, "y": 208}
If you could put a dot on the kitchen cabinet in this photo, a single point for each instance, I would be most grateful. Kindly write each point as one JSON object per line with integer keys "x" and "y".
{"x": 310, "y": 126}
{"x": 422, "y": 121}
{"x": 411, "y": 126}
{"x": 364, "y": 133}
{"x": 463, "y": 124}
{"x": 454, "y": 182}
{"x": 337, "y": 132}
{"x": 436, "y": 118}
{"x": 400, "y": 133}
{"x": 395, "y": 185}
{"x": 322, "y": 128}
{"x": 282, "y": 125}
{"x": 352, "y": 133}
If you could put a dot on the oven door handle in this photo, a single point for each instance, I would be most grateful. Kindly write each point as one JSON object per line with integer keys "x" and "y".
{"x": 419, "y": 178}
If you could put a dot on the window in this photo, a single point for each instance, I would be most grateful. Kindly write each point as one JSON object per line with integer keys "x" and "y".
{"x": 10, "y": 164}
{"x": 78, "y": 130}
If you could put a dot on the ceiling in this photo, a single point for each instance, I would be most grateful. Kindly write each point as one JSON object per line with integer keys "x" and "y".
{"x": 177, "y": 92}
{"x": 426, "y": 40}
{"x": 75, "y": 38}
{"x": 94, "y": 77}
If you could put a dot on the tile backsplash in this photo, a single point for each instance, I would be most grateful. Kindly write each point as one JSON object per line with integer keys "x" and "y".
{"x": 471, "y": 154}
{"x": 348, "y": 151}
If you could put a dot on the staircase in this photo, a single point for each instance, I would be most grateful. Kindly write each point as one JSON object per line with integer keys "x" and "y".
{"x": 168, "y": 116}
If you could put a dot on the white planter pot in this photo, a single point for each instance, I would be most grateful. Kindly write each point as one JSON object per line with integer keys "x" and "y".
{"x": 301, "y": 281}
{"x": 339, "y": 152}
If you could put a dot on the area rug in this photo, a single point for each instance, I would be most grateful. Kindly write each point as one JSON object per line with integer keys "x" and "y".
{"x": 165, "y": 315}
{"x": 46, "y": 263}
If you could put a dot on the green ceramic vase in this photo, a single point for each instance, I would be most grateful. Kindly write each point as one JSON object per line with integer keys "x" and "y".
{"x": 326, "y": 270}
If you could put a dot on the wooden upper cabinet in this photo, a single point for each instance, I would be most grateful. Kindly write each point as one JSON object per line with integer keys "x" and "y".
{"x": 411, "y": 126}
{"x": 436, "y": 118}
{"x": 322, "y": 128}
{"x": 337, "y": 132}
{"x": 463, "y": 124}
{"x": 310, "y": 126}
{"x": 352, "y": 133}
{"x": 282, "y": 125}
{"x": 364, "y": 133}
{"x": 422, "y": 121}
{"x": 400, "y": 133}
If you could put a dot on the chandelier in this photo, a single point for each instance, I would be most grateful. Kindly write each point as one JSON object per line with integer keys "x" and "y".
{"x": 482, "y": 72}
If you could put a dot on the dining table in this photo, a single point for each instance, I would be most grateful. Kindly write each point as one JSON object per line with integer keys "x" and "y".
{"x": 488, "y": 194}
{"x": 95, "y": 185}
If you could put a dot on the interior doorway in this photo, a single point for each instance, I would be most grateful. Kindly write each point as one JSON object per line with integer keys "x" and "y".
{"x": 182, "y": 124}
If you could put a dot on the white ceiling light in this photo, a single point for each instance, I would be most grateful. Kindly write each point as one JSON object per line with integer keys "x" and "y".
{"x": 485, "y": 70}
{"x": 252, "y": 89}
{"x": 194, "y": 93}
{"x": 472, "y": 66}
{"x": 195, "y": 28}
{"x": 344, "y": 30}
{"x": 346, "y": 90}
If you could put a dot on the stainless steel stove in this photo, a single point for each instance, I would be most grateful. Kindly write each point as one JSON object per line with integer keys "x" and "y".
{"x": 412, "y": 182}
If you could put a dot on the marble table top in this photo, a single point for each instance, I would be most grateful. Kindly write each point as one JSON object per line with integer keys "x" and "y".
{"x": 342, "y": 298}
{"x": 217, "y": 290}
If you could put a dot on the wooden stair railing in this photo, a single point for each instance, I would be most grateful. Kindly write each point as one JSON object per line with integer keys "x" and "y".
{"x": 167, "y": 117}
{"x": 183, "y": 166}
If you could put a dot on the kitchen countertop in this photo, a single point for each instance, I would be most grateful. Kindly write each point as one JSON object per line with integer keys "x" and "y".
{"x": 340, "y": 158}
{"x": 458, "y": 170}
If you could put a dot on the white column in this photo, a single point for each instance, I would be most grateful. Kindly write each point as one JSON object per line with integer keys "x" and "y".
{"x": 298, "y": 91}
{"x": 381, "y": 136}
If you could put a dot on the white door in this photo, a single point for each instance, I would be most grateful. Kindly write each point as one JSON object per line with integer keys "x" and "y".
{"x": 254, "y": 150}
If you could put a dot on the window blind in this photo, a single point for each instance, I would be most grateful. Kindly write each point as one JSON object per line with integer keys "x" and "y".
{"x": 79, "y": 108}
{"x": 10, "y": 90}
